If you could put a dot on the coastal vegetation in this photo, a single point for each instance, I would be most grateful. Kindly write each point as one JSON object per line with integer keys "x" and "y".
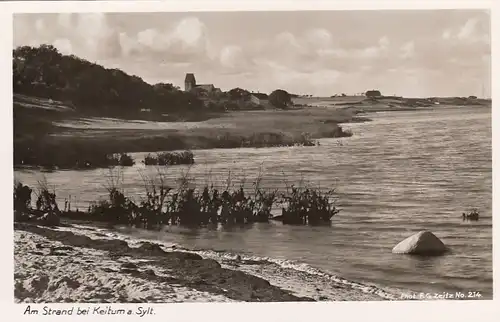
{"x": 186, "y": 205}
{"x": 472, "y": 215}
{"x": 280, "y": 99}
{"x": 77, "y": 156}
{"x": 44, "y": 72}
{"x": 38, "y": 141}
{"x": 169, "y": 158}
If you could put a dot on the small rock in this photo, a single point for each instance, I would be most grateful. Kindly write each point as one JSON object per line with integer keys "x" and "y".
{"x": 422, "y": 243}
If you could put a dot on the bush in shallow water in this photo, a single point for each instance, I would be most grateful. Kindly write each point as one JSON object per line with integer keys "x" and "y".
{"x": 170, "y": 158}
{"x": 126, "y": 160}
{"x": 117, "y": 209}
{"x": 120, "y": 159}
{"x": 150, "y": 160}
{"x": 189, "y": 206}
{"x": 307, "y": 206}
{"x": 22, "y": 197}
{"x": 472, "y": 215}
{"x": 46, "y": 200}
{"x": 236, "y": 207}
{"x": 210, "y": 203}
{"x": 151, "y": 212}
{"x": 264, "y": 201}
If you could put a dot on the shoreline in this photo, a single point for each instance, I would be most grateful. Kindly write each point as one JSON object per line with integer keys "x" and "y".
{"x": 148, "y": 263}
{"x": 83, "y": 257}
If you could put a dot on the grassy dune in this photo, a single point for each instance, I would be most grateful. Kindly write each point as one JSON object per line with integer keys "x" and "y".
{"x": 357, "y": 104}
{"x": 290, "y": 123}
{"x": 45, "y": 132}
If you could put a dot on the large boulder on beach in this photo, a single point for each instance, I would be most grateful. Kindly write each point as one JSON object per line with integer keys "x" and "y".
{"x": 422, "y": 243}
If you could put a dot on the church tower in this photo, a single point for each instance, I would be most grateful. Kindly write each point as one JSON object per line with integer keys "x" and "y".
{"x": 189, "y": 82}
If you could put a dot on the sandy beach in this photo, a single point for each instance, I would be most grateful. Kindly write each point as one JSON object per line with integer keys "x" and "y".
{"x": 77, "y": 263}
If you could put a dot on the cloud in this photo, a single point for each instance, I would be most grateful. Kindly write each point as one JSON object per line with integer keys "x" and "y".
{"x": 87, "y": 35}
{"x": 39, "y": 25}
{"x": 287, "y": 39}
{"x": 185, "y": 42}
{"x": 468, "y": 30}
{"x": 471, "y": 31}
{"x": 384, "y": 42}
{"x": 408, "y": 49}
{"x": 63, "y": 45}
{"x": 318, "y": 38}
{"x": 315, "y": 58}
{"x": 231, "y": 56}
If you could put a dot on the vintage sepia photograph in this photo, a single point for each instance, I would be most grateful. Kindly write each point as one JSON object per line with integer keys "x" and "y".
{"x": 252, "y": 156}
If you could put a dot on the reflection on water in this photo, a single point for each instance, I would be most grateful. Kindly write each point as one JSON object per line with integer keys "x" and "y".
{"x": 401, "y": 173}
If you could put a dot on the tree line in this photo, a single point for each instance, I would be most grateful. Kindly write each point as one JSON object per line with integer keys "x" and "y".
{"x": 44, "y": 72}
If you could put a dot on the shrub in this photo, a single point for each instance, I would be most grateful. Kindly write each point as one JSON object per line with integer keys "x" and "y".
{"x": 126, "y": 160}
{"x": 117, "y": 209}
{"x": 170, "y": 158}
{"x": 263, "y": 205}
{"x": 188, "y": 206}
{"x": 472, "y": 215}
{"x": 151, "y": 212}
{"x": 280, "y": 98}
{"x": 22, "y": 197}
{"x": 150, "y": 160}
{"x": 46, "y": 200}
{"x": 120, "y": 159}
{"x": 307, "y": 206}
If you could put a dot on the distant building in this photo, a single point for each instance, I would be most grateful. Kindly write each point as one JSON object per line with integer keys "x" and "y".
{"x": 209, "y": 88}
{"x": 190, "y": 84}
{"x": 260, "y": 99}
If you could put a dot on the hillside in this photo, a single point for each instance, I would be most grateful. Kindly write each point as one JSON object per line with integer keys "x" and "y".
{"x": 90, "y": 88}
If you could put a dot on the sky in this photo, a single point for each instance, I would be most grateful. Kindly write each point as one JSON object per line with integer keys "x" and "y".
{"x": 413, "y": 53}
